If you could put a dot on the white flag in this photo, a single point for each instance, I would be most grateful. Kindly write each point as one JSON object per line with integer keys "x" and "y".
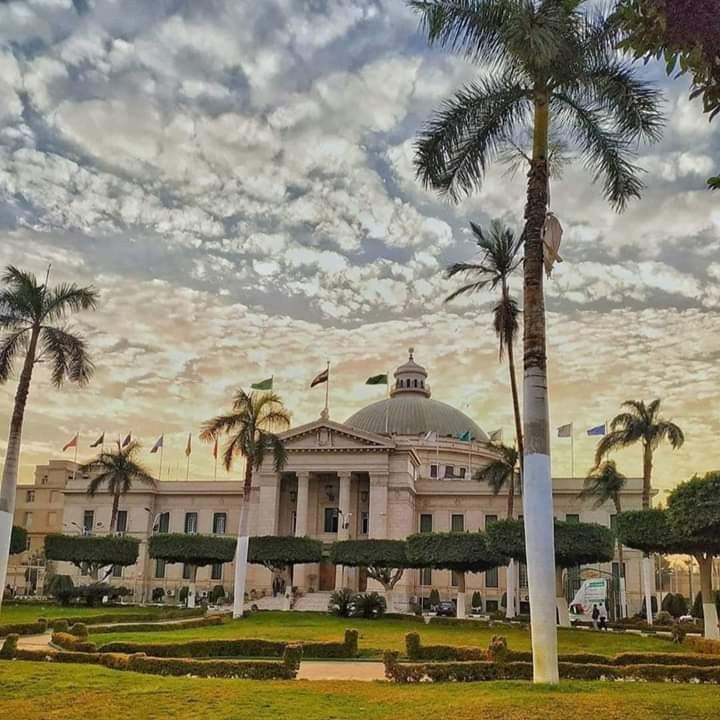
{"x": 496, "y": 435}
{"x": 430, "y": 435}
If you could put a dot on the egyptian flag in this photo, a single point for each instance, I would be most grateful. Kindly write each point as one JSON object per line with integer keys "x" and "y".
{"x": 323, "y": 377}
{"x": 158, "y": 444}
{"x": 188, "y": 447}
{"x": 72, "y": 443}
{"x": 127, "y": 440}
{"x": 99, "y": 441}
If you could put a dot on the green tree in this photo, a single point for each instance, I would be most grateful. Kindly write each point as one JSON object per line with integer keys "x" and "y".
{"x": 33, "y": 326}
{"x": 605, "y": 483}
{"x": 554, "y": 64}
{"x": 18, "y": 540}
{"x": 117, "y": 472}
{"x": 251, "y": 431}
{"x": 500, "y": 258}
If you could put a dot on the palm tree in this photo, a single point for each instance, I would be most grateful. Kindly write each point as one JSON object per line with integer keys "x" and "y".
{"x": 641, "y": 423}
{"x": 118, "y": 472}
{"x": 553, "y": 64}
{"x": 499, "y": 261}
{"x": 251, "y": 430}
{"x": 32, "y": 322}
{"x": 605, "y": 483}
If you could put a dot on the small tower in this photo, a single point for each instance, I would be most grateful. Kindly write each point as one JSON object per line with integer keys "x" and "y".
{"x": 411, "y": 378}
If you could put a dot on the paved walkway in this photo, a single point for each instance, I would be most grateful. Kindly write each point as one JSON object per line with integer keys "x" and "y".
{"x": 346, "y": 670}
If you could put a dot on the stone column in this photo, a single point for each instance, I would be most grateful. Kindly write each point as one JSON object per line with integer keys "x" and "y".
{"x": 301, "y": 522}
{"x": 378, "y": 506}
{"x": 343, "y": 519}
{"x": 266, "y": 522}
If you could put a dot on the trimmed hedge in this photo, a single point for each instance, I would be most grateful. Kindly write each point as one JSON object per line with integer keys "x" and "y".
{"x": 9, "y": 647}
{"x": 119, "y": 617}
{"x": 94, "y": 550}
{"x": 159, "y": 626}
{"x": 459, "y": 551}
{"x": 196, "y": 550}
{"x": 704, "y": 646}
{"x": 277, "y": 552}
{"x": 370, "y": 553}
{"x": 67, "y": 641}
{"x": 415, "y": 650}
{"x": 36, "y": 628}
{"x": 458, "y": 621}
{"x": 245, "y": 647}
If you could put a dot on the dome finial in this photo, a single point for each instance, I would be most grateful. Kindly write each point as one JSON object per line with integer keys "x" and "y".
{"x": 410, "y": 353}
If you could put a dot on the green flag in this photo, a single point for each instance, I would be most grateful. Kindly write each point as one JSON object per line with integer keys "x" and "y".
{"x": 377, "y": 380}
{"x": 263, "y": 385}
{"x": 465, "y": 437}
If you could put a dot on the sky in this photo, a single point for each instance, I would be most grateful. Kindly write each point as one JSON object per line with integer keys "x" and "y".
{"x": 236, "y": 179}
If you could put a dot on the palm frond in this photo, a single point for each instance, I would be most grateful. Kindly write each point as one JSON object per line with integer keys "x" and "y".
{"x": 219, "y": 425}
{"x": 615, "y": 440}
{"x": 68, "y": 354}
{"x": 604, "y": 482}
{"x": 68, "y": 298}
{"x": 506, "y": 314}
{"x": 499, "y": 472}
{"x": 10, "y": 346}
{"x": 279, "y": 452}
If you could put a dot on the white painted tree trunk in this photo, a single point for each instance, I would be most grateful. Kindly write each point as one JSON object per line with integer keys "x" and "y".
{"x": 191, "y": 595}
{"x": 647, "y": 578}
{"x": 711, "y": 629}
{"x": 389, "y": 600}
{"x": 241, "y": 554}
{"x": 6, "y": 522}
{"x": 561, "y": 604}
{"x": 461, "y": 607}
{"x": 623, "y": 598}
{"x": 510, "y": 592}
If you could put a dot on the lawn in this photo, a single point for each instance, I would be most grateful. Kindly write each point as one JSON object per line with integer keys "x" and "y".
{"x": 30, "y": 612}
{"x": 35, "y": 691}
{"x": 384, "y": 634}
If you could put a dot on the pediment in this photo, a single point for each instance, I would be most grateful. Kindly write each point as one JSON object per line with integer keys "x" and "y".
{"x": 328, "y": 435}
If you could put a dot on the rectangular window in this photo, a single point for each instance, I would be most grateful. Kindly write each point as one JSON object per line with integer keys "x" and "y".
{"x": 364, "y": 522}
{"x": 491, "y": 578}
{"x": 88, "y": 522}
{"x": 163, "y": 522}
{"x": 121, "y": 521}
{"x": 216, "y": 573}
{"x": 457, "y": 523}
{"x": 117, "y": 571}
{"x": 491, "y": 606}
{"x": 489, "y": 520}
{"x": 523, "y": 575}
{"x": 190, "y": 523}
{"x": 449, "y": 471}
{"x": 463, "y": 471}
{"x": 426, "y": 576}
{"x": 454, "y": 578}
{"x": 28, "y": 520}
{"x": 293, "y": 521}
{"x": 29, "y": 496}
{"x": 219, "y": 523}
{"x": 572, "y": 517}
{"x": 433, "y": 471}
{"x": 159, "y": 568}
{"x": 425, "y": 522}
{"x": 28, "y": 542}
{"x": 187, "y": 571}
{"x": 613, "y": 520}
{"x": 331, "y": 520}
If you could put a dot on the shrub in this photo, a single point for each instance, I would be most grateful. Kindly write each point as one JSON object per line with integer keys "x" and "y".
{"x": 678, "y": 633}
{"x": 663, "y": 618}
{"x": 68, "y": 641}
{"x": 161, "y": 626}
{"x": 170, "y": 613}
{"x": 704, "y": 646}
{"x": 248, "y": 669}
{"x": 196, "y": 550}
{"x": 434, "y": 598}
{"x": 79, "y": 630}
{"x": 416, "y": 651}
{"x": 60, "y": 626}
{"x": 476, "y": 602}
{"x": 18, "y": 540}
{"x": 96, "y": 551}
{"x": 368, "y": 605}
{"x": 158, "y": 594}
{"x": 9, "y": 647}
{"x": 341, "y": 602}
{"x": 60, "y": 587}
{"x": 36, "y": 628}
{"x": 217, "y": 594}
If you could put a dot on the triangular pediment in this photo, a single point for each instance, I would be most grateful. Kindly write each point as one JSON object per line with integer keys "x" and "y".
{"x": 328, "y": 435}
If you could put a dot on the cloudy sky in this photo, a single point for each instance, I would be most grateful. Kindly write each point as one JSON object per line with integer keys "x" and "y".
{"x": 236, "y": 179}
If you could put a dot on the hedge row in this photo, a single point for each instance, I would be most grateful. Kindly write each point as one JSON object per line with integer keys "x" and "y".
{"x": 120, "y": 617}
{"x": 73, "y": 642}
{"x": 34, "y": 628}
{"x": 415, "y": 650}
{"x": 159, "y": 626}
{"x": 246, "y": 647}
{"x": 703, "y": 645}
{"x": 486, "y": 671}
{"x": 459, "y": 621}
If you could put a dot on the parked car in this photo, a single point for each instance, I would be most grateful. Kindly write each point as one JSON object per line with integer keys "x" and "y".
{"x": 446, "y": 609}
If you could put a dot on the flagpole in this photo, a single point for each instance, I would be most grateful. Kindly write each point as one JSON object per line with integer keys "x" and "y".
{"x": 327, "y": 392}
{"x": 387, "y": 404}
{"x": 572, "y": 449}
{"x": 187, "y": 470}
{"x": 77, "y": 441}
{"x": 162, "y": 447}
{"x": 215, "y": 449}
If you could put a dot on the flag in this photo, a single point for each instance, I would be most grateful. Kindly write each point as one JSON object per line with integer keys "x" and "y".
{"x": 215, "y": 448}
{"x": 99, "y": 441}
{"x": 188, "y": 447}
{"x": 496, "y": 435}
{"x": 320, "y": 378}
{"x": 597, "y": 430}
{"x": 377, "y": 380}
{"x": 565, "y": 431}
{"x": 430, "y": 435}
{"x": 263, "y": 384}
{"x": 127, "y": 440}
{"x": 160, "y": 442}
{"x": 465, "y": 436}
{"x": 71, "y": 444}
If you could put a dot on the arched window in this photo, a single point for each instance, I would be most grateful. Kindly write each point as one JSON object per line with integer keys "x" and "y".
{"x": 416, "y": 383}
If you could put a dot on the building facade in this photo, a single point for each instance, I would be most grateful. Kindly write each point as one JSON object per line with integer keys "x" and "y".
{"x": 394, "y": 468}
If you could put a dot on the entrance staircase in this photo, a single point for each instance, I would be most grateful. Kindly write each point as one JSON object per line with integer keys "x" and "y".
{"x": 268, "y": 603}
{"x": 313, "y": 602}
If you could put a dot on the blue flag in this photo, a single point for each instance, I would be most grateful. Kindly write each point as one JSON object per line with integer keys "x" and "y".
{"x": 597, "y": 430}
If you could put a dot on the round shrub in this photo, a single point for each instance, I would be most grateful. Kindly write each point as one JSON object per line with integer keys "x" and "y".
{"x": 79, "y": 630}
{"x": 9, "y": 647}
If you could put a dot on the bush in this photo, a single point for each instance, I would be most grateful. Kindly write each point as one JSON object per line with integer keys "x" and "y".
{"x": 217, "y": 594}
{"x": 170, "y": 613}
{"x": 340, "y": 602}
{"x": 368, "y": 605}
{"x": 678, "y": 633}
{"x": 196, "y": 550}
{"x": 79, "y": 630}
{"x": 60, "y": 626}
{"x": 9, "y": 647}
{"x": 93, "y": 550}
{"x": 36, "y": 628}
{"x": 68, "y": 641}
{"x": 434, "y": 598}
{"x": 704, "y": 646}
{"x": 60, "y": 587}
{"x": 416, "y": 651}
{"x": 476, "y": 602}
{"x": 161, "y": 626}
{"x": 158, "y": 594}
{"x": 18, "y": 540}
{"x": 663, "y": 618}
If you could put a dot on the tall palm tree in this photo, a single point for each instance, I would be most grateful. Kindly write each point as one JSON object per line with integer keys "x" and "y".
{"x": 553, "y": 64}
{"x": 640, "y": 424}
{"x": 250, "y": 430}
{"x": 32, "y": 323}
{"x": 117, "y": 472}
{"x": 605, "y": 483}
{"x": 500, "y": 259}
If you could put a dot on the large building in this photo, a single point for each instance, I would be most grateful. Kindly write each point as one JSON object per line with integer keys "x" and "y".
{"x": 394, "y": 468}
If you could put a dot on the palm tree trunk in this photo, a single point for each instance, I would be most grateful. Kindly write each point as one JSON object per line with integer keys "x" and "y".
{"x": 241, "y": 551}
{"x": 114, "y": 513}
{"x": 537, "y": 483}
{"x": 516, "y": 403}
{"x": 647, "y": 561}
{"x": 647, "y": 475}
{"x": 12, "y": 458}
{"x": 712, "y": 630}
{"x": 621, "y": 568}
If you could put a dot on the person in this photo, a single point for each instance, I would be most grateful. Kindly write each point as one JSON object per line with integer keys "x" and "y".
{"x": 595, "y": 615}
{"x": 275, "y": 586}
{"x": 282, "y": 586}
{"x": 603, "y": 617}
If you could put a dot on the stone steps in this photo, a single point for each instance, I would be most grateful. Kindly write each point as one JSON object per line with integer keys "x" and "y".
{"x": 313, "y": 602}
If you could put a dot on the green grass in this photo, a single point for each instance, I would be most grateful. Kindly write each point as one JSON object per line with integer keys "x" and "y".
{"x": 42, "y": 691}
{"x": 389, "y": 634}
{"x": 32, "y": 611}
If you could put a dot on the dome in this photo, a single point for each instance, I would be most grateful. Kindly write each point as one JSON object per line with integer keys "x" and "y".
{"x": 411, "y": 411}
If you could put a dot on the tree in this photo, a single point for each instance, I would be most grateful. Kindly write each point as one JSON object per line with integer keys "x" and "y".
{"x": 553, "y": 62}
{"x": 18, "y": 540}
{"x": 32, "y": 323}
{"x": 500, "y": 259}
{"x": 92, "y": 552}
{"x": 498, "y": 474}
{"x": 576, "y": 543}
{"x": 118, "y": 472}
{"x": 250, "y": 430}
{"x": 641, "y": 423}
{"x": 462, "y": 553}
{"x": 193, "y": 550}
{"x": 60, "y": 587}
{"x": 278, "y": 553}
{"x": 605, "y": 483}
{"x": 385, "y": 560}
